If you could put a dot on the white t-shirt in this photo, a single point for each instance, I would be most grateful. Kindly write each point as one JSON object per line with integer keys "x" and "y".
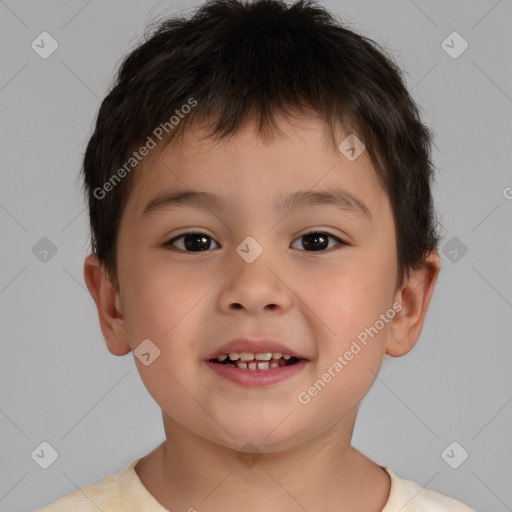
{"x": 124, "y": 492}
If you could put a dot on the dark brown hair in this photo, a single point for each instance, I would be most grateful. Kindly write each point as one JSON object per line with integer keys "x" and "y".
{"x": 232, "y": 61}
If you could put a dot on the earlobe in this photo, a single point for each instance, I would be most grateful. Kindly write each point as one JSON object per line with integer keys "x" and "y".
{"x": 414, "y": 297}
{"x": 108, "y": 305}
{"x": 119, "y": 344}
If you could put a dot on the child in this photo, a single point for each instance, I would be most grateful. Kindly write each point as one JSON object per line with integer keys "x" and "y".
{"x": 263, "y": 234}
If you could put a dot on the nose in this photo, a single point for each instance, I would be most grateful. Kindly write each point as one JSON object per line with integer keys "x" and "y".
{"x": 255, "y": 287}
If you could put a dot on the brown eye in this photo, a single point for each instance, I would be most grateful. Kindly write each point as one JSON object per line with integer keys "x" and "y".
{"x": 198, "y": 242}
{"x": 192, "y": 242}
{"x": 318, "y": 241}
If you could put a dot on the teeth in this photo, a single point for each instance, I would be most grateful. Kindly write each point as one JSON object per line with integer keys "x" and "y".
{"x": 251, "y": 361}
{"x": 264, "y": 356}
{"x": 264, "y": 365}
{"x": 254, "y": 366}
{"x": 248, "y": 356}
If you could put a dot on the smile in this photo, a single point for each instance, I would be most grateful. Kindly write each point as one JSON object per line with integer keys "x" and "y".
{"x": 255, "y": 369}
{"x": 258, "y": 361}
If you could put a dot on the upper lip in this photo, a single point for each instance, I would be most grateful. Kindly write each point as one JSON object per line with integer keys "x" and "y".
{"x": 253, "y": 347}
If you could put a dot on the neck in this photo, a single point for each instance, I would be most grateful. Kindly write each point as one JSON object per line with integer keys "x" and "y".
{"x": 188, "y": 471}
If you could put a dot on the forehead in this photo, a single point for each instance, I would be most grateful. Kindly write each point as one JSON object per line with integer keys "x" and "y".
{"x": 246, "y": 168}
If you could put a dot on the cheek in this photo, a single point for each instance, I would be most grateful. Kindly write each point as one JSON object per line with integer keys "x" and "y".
{"x": 348, "y": 304}
{"x": 158, "y": 299}
{"x": 160, "y": 307}
{"x": 166, "y": 307}
{"x": 349, "y": 298}
{"x": 167, "y": 380}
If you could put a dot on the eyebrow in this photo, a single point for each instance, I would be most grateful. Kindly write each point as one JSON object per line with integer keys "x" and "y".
{"x": 342, "y": 199}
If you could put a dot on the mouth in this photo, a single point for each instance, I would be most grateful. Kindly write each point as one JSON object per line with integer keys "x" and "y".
{"x": 255, "y": 361}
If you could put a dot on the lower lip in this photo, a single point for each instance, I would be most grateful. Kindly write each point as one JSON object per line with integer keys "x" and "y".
{"x": 256, "y": 378}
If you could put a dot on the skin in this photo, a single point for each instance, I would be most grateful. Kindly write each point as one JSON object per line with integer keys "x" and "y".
{"x": 317, "y": 302}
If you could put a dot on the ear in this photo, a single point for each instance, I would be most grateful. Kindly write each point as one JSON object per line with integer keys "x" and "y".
{"x": 414, "y": 296}
{"x": 108, "y": 304}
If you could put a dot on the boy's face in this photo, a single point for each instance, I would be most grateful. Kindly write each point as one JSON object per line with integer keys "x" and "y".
{"x": 315, "y": 302}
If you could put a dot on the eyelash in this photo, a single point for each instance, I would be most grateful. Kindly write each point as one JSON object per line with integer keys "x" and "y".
{"x": 329, "y": 235}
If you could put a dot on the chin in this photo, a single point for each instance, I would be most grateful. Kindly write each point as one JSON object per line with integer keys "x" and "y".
{"x": 259, "y": 441}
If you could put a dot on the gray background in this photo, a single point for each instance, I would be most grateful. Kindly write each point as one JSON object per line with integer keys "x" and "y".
{"x": 59, "y": 383}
